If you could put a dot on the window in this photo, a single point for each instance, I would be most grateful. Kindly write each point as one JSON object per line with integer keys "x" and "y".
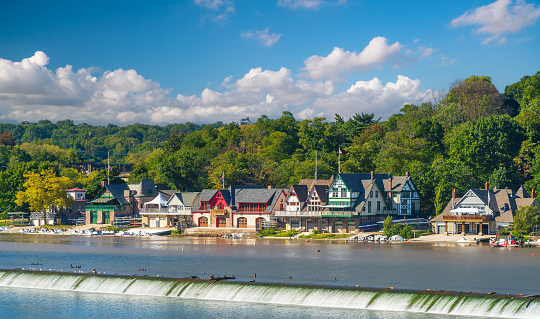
{"x": 376, "y": 194}
{"x": 343, "y": 192}
{"x": 371, "y": 194}
{"x": 369, "y": 207}
{"x": 378, "y": 205}
{"x": 412, "y": 207}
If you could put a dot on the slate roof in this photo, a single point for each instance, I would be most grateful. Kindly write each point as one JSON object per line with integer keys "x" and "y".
{"x": 359, "y": 182}
{"x": 277, "y": 193}
{"x": 145, "y": 188}
{"x": 503, "y": 202}
{"x": 251, "y": 195}
{"x": 301, "y": 192}
{"x": 322, "y": 191}
{"x": 522, "y": 193}
{"x": 119, "y": 192}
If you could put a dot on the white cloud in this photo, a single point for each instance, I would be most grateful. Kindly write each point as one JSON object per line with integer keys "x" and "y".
{"x": 267, "y": 39}
{"x": 374, "y": 97}
{"x": 498, "y": 18}
{"x": 29, "y": 91}
{"x": 220, "y": 9}
{"x": 374, "y": 55}
{"x": 308, "y": 4}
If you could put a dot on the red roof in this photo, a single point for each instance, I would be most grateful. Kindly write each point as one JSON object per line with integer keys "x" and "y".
{"x": 76, "y": 190}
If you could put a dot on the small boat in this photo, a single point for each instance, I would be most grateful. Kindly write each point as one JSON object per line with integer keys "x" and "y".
{"x": 509, "y": 241}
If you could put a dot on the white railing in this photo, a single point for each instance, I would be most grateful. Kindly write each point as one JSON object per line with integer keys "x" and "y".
{"x": 297, "y": 213}
{"x": 164, "y": 211}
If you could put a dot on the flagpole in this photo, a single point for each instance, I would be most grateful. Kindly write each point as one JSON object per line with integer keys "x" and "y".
{"x": 223, "y": 180}
{"x": 339, "y": 161}
{"x": 316, "y": 175}
{"x": 108, "y": 167}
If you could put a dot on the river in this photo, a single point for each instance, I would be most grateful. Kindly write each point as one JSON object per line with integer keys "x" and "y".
{"x": 415, "y": 266}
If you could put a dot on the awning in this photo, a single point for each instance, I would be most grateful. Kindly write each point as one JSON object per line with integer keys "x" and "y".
{"x": 159, "y": 200}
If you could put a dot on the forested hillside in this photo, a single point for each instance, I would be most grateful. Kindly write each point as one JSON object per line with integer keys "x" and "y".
{"x": 474, "y": 135}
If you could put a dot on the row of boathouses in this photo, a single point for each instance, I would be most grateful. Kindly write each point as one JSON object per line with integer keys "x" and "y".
{"x": 342, "y": 204}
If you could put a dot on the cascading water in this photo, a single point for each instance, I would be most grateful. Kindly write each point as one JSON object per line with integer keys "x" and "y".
{"x": 440, "y": 302}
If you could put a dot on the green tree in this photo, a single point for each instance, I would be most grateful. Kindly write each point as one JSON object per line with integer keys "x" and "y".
{"x": 183, "y": 170}
{"x": 527, "y": 217}
{"x": 487, "y": 143}
{"x": 387, "y": 224}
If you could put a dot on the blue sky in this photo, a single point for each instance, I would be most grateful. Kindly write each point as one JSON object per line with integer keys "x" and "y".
{"x": 163, "y": 62}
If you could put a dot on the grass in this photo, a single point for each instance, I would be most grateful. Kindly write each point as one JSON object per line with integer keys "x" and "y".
{"x": 325, "y": 236}
{"x": 273, "y": 233}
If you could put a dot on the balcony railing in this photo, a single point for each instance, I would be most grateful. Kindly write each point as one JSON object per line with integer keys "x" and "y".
{"x": 283, "y": 213}
{"x": 157, "y": 211}
{"x": 338, "y": 214}
{"x": 218, "y": 212}
{"x": 466, "y": 218}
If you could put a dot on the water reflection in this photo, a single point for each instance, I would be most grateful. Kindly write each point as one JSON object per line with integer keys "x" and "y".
{"x": 410, "y": 266}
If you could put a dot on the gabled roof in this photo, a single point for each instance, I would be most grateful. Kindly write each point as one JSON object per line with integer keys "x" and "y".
{"x": 76, "y": 190}
{"x": 522, "y": 193}
{"x": 503, "y": 203}
{"x": 277, "y": 194}
{"x": 145, "y": 188}
{"x": 301, "y": 192}
{"x": 322, "y": 191}
{"x": 118, "y": 191}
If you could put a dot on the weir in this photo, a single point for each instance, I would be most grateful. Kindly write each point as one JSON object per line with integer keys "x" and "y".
{"x": 428, "y": 301}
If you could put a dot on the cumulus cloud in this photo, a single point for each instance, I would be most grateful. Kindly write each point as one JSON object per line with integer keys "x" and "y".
{"x": 332, "y": 66}
{"x": 373, "y": 97}
{"x": 499, "y": 18}
{"x": 29, "y": 91}
{"x": 221, "y": 10}
{"x": 266, "y": 38}
{"x": 308, "y": 4}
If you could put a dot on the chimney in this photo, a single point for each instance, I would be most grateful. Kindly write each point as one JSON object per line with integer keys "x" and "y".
{"x": 372, "y": 175}
{"x": 390, "y": 192}
{"x": 103, "y": 183}
{"x": 269, "y": 186}
{"x": 454, "y": 193}
{"x": 487, "y": 185}
{"x": 406, "y": 174}
{"x": 532, "y": 193}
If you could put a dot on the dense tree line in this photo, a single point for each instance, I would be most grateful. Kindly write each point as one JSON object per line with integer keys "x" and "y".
{"x": 472, "y": 136}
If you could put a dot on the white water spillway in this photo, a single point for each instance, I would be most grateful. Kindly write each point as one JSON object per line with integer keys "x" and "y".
{"x": 440, "y": 302}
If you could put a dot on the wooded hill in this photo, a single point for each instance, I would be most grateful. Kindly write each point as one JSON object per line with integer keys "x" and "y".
{"x": 474, "y": 135}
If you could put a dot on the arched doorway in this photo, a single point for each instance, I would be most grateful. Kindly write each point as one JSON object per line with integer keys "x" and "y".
{"x": 242, "y": 222}
{"x": 203, "y": 222}
{"x": 258, "y": 222}
{"x": 221, "y": 222}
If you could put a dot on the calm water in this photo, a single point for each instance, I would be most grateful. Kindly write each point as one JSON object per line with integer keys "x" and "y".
{"x": 407, "y": 266}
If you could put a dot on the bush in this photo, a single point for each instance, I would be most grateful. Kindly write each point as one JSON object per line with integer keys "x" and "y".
{"x": 267, "y": 232}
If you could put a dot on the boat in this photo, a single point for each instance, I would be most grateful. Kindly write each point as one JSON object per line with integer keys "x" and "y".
{"x": 509, "y": 241}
